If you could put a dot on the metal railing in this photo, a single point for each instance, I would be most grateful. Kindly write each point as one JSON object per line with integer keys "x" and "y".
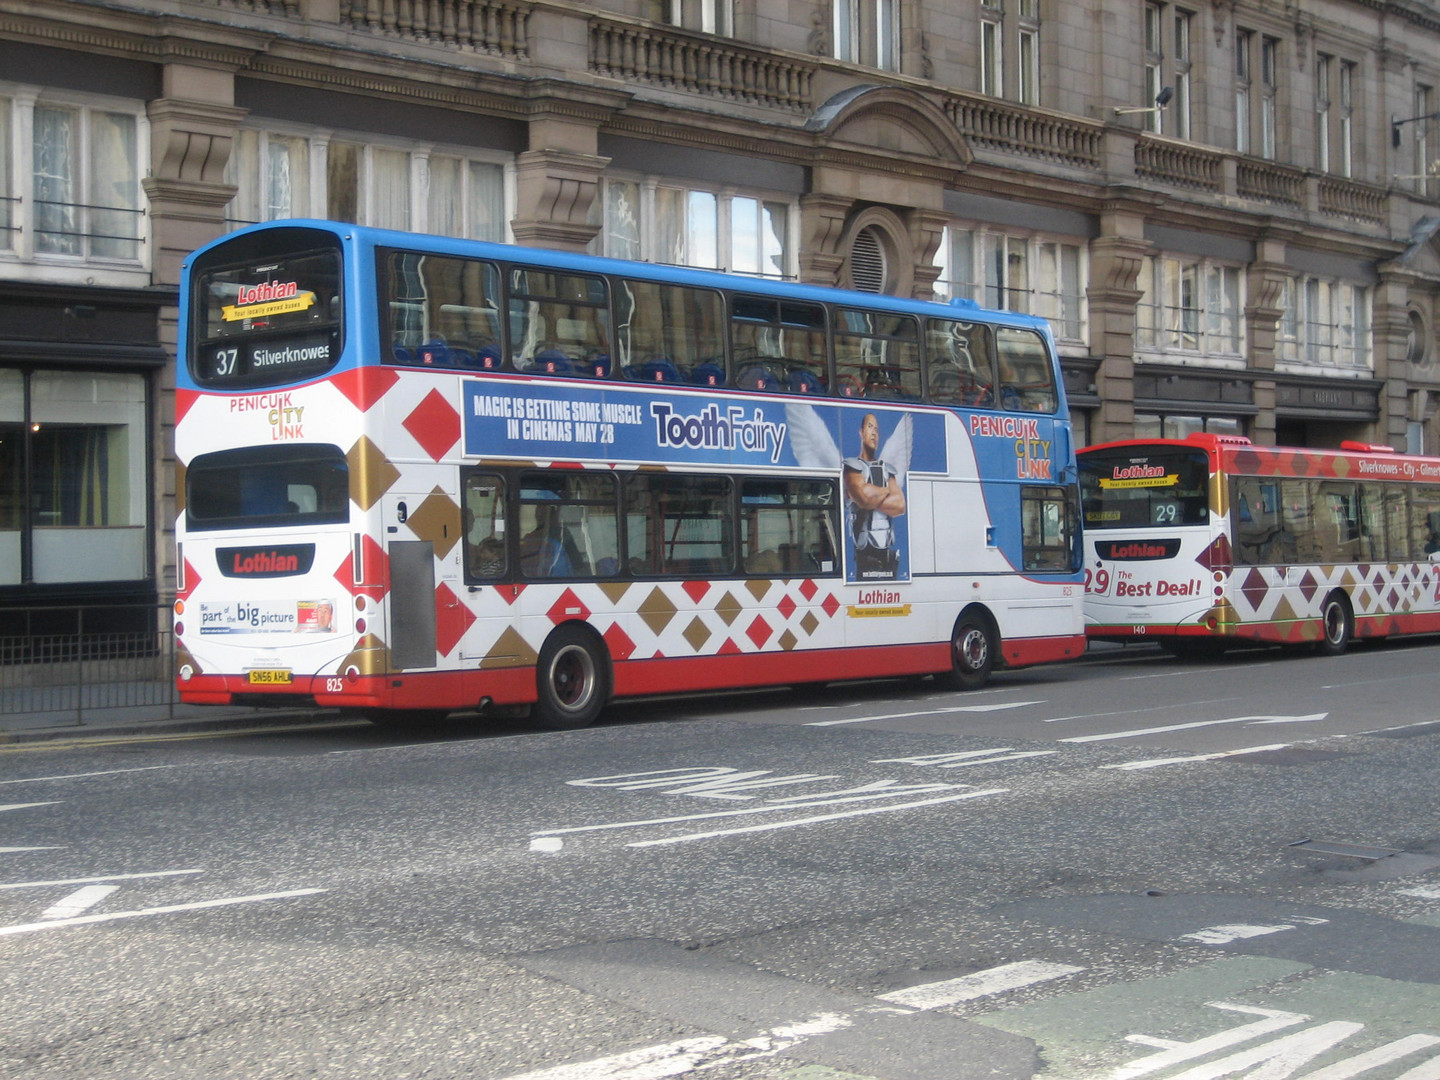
{"x": 62, "y": 665}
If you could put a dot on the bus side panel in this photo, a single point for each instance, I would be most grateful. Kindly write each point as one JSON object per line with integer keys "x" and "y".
{"x": 412, "y": 604}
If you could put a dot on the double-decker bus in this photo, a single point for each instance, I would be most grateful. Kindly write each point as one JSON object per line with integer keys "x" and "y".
{"x": 420, "y": 475}
{"x": 1205, "y": 541}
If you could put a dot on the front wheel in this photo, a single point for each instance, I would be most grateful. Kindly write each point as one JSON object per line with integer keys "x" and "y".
{"x": 1336, "y": 625}
{"x": 972, "y": 653}
{"x": 571, "y": 680}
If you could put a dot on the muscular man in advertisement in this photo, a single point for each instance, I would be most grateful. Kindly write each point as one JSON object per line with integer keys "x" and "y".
{"x": 874, "y": 497}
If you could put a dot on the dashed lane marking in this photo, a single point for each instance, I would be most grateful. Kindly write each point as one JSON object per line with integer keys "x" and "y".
{"x": 95, "y": 880}
{"x": 79, "y": 901}
{"x": 996, "y": 706}
{"x": 26, "y": 805}
{"x": 84, "y": 775}
{"x": 1107, "y": 736}
{"x": 1155, "y": 763}
{"x": 85, "y": 920}
{"x": 979, "y": 984}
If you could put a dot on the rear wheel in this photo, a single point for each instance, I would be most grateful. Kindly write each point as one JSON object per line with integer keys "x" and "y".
{"x": 572, "y": 680}
{"x": 972, "y": 652}
{"x": 1337, "y": 625}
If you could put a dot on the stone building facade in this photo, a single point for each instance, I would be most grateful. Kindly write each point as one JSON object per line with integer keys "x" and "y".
{"x": 1256, "y": 256}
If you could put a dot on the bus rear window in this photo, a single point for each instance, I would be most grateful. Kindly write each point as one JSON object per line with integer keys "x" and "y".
{"x": 1127, "y": 489}
{"x": 267, "y": 320}
{"x": 268, "y": 486}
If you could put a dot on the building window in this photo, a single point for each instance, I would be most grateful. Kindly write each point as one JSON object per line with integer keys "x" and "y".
{"x": 738, "y": 232}
{"x": 70, "y": 185}
{"x": 1345, "y": 143}
{"x": 1244, "y": 41}
{"x": 707, "y": 16}
{"x": 1190, "y": 306}
{"x": 1180, "y": 426}
{"x": 1180, "y": 76}
{"x": 1154, "y": 61}
{"x": 1033, "y": 274}
{"x": 1322, "y": 112}
{"x": 1325, "y": 323}
{"x": 868, "y": 32}
{"x": 1424, "y": 165}
{"x": 1015, "y": 32}
{"x": 424, "y": 189}
{"x": 1269, "y": 87}
{"x": 73, "y": 461}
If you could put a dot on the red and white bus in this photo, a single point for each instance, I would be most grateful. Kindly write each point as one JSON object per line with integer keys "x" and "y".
{"x": 422, "y": 475}
{"x": 1209, "y": 540}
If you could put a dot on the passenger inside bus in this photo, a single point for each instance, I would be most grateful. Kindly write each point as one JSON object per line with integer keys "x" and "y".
{"x": 548, "y": 550}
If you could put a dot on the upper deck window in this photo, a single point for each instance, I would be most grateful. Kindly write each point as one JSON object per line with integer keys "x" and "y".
{"x": 270, "y": 317}
{"x": 440, "y": 311}
{"x": 559, "y": 323}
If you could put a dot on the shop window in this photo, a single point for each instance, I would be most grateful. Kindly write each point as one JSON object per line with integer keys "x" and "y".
{"x": 73, "y": 456}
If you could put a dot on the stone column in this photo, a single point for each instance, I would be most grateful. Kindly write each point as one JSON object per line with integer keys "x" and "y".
{"x": 927, "y": 228}
{"x": 822, "y": 228}
{"x": 1116, "y": 257}
{"x": 1265, "y": 290}
{"x": 558, "y": 177}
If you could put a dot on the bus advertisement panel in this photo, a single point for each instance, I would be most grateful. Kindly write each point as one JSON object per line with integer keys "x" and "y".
{"x": 426, "y": 527}
{"x": 1209, "y": 540}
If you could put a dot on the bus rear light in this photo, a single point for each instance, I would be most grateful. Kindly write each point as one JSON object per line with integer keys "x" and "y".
{"x": 1219, "y": 590}
{"x": 360, "y": 626}
{"x": 352, "y": 674}
{"x": 1210, "y": 623}
{"x": 360, "y": 603}
{"x": 1219, "y": 575}
{"x": 186, "y": 673}
{"x": 179, "y": 607}
{"x": 179, "y": 629}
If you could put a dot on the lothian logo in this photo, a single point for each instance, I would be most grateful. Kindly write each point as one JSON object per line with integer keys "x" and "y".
{"x": 271, "y": 290}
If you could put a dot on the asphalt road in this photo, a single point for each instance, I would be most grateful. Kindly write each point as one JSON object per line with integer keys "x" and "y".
{"x": 1127, "y": 867}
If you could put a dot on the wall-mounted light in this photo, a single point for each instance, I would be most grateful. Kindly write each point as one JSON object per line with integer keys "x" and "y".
{"x": 1161, "y": 100}
{"x": 1396, "y": 124}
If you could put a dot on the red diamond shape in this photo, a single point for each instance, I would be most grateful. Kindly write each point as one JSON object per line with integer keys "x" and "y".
{"x": 191, "y": 580}
{"x": 365, "y": 386}
{"x": 696, "y": 590}
{"x": 759, "y": 632}
{"x": 728, "y": 649}
{"x": 619, "y": 643}
{"x": 435, "y": 424}
{"x": 510, "y": 593}
{"x": 183, "y": 400}
{"x": 377, "y": 571}
{"x": 830, "y": 606}
{"x": 786, "y": 607}
{"x": 568, "y": 606}
{"x": 808, "y": 589}
{"x": 452, "y": 619}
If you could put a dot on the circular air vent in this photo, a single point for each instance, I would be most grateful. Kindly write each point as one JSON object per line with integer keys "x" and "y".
{"x": 868, "y": 271}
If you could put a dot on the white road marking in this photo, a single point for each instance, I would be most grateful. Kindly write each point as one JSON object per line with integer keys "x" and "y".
{"x": 962, "y": 758}
{"x": 1424, "y": 892}
{"x": 1153, "y": 763}
{"x": 1383, "y": 1055}
{"x": 996, "y": 980}
{"x": 882, "y": 789}
{"x": 12, "y": 850}
{"x": 26, "y": 805}
{"x": 1174, "y": 1052}
{"x": 1109, "y": 735}
{"x": 713, "y": 1051}
{"x": 549, "y": 844}
{"x": 93, "y": 880}
{"x": 1142, "y": 709}
{"x": 84, "y": 920}
{"x": 81, "y": 775}
{"x": 1225, "y": 933}
{"x": 78, "y": 901}
{"x": 993, "y": 707}
{"x": 773, "y": 825}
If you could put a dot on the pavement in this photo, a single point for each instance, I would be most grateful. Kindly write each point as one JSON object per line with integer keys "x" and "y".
{"x": 156, "y": 720}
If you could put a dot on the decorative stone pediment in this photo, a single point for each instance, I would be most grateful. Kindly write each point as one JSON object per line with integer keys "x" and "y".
{"x": 892, "y": 121}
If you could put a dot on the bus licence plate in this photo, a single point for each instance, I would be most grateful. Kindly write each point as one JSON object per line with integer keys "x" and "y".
{"x": 269, "y": 677}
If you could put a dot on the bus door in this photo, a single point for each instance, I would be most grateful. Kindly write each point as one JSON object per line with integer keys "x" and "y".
{"x": 411, "y": 598}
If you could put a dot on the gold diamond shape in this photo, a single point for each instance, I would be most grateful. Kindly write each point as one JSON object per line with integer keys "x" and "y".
{"x": 370, "y": 474}
{"x": 657, "y": 611}
{"x": 810, "y": 623}
{"x": 437, "y": 519}
{"x": 759, "y": 587}
{"x": 697, "y": 633}
{"x": 729, "y": 608}
{"x": 788, "y": 641}
{"x": 614, "y": 590}
{"x": 510, "y": 650}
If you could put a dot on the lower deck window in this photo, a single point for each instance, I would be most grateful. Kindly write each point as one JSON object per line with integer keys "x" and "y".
{"x": 268, "y": 485}
{"x": 1048, "y": 516}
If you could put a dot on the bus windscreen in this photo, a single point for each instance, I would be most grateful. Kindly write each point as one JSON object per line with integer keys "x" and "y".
{"x": 1135, "y": 488}
{"x": 265, "y": 322}
{"x": 303, "y": 484}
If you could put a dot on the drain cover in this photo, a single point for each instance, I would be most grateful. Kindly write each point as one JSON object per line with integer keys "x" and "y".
{"x": 1354, "y": 851}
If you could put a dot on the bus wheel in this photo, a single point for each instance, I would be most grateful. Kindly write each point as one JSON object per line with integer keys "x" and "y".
{"x": 972, "y": 652}
{"x": 572, "y": 680}
{"x": 1337, "y": 624}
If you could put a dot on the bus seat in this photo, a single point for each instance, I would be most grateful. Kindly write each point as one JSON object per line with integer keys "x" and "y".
{"x": 488, "y": 358}
{"x": 433, "y": 354}
{"x": 402, "y": 354}
{"x": 599, "y": 365}
{"x": 849, "y": 386}
{"x": 803, "y": 381}
{"x": 755, "y": 377}
{"x": 551, "y": 362}
{"x": 945, "y": 387}
{"x": 462, "y": 357}
{"x": 707, "y": 374}
{"x": 659, "y": 370}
